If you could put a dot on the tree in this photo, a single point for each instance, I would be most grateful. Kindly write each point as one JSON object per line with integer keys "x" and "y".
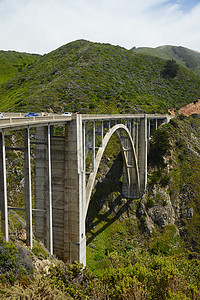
{"x": 160, "y": 144}
{"x": 170, "y": 69}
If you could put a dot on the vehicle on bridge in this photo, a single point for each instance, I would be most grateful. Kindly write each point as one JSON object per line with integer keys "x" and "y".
{"x": 67, "y": 114}
{"x": 31, "y": 114}
{"x": 1, "y": 115}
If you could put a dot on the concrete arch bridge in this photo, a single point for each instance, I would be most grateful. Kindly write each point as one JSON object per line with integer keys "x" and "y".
{"x": 63, "y": 183}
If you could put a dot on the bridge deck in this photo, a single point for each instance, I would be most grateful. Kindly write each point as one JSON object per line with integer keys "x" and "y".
{"x": 17, "y": 120}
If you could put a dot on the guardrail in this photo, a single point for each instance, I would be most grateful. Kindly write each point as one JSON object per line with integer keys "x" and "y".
{"x": 20, "y": 122}
{"x": 21, "y": 115}
{"x": 122, "y": 116}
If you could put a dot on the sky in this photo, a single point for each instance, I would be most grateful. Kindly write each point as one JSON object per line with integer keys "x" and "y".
{"x": 41, "y": 26}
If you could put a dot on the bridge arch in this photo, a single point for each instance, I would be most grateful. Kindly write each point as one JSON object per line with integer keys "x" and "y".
{"x": 131, "y": 172}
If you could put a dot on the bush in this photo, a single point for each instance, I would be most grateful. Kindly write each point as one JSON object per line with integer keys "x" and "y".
{"x": 170, "y": 69}
{"x": 164, "y": 180}
{"x": 155, "y": 177}
{"x": 150, "y": 202}
{"x": 72, "y": 278}
{"x": 39, "y": 289}
{"x": 160, "y": 144}
{"x": 39, "y": 251}
{"x": 160, "y": 247}
{"x": 15, "y": 263}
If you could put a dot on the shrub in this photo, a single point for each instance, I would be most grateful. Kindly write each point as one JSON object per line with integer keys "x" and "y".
{"x": 155, "y": 177}
{"x": 160, "y": 247}
{"x": 160, "y": 144}
{"x": 39, "y": 289}
{"x": 150, "y": 202}
{"x": 181, "y": 157}
{"x": 72, "y": 278}
{"x": 91, "y": 105}
{"x": 164, "y": 180}
{"x": 39, "y": 251}
{"x": 15, "y": 263}
{"x": 170, "y": 69}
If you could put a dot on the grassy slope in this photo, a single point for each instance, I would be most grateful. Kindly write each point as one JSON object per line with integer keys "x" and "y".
{"x": 184, "y": 56}
{"x": 84, "y": 76}
{"x": 12, "y": 63}
{"x": 162, "y": 52}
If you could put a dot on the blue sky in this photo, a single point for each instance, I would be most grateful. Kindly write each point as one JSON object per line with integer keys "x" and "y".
{"x": 186, "y": 5}
{"x": 40, "y": 26}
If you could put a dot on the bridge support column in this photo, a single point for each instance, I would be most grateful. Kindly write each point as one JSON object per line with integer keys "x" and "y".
{"x": 41, "y": 184}
{"x": 43, "y": 187}
{"x": 75, "y": 194}
{"x": 3, "y": 188}
{"x": 28, "y": 194}
{"x": 142, "y": 153}
{"x": 136, "y": 138}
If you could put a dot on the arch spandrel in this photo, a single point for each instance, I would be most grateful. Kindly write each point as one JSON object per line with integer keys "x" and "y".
{"x": 135, "y": 170}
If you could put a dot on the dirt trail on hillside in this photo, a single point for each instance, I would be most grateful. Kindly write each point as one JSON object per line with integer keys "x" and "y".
{"x": 189, "y": 109}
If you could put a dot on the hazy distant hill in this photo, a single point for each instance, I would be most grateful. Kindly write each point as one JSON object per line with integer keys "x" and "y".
{"x": 98, "y": 78}
{"x": 184, "y": 56}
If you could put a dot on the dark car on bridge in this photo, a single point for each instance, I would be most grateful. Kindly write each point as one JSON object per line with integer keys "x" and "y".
{"x": 31, "y": 114}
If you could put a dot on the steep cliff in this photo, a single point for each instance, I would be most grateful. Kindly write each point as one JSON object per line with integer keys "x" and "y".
{"x": 173, "y": 193}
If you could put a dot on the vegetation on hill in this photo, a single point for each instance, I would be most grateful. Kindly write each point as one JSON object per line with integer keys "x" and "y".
{"x": 184, "y": 56}
{"x": 13, "y": 63}
{"x": 98, "y": 78}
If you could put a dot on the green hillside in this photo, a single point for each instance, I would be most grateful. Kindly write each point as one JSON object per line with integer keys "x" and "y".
{"x": 12, "y": 63}
{"x": 184, "y": 56}
{"x": 84, "y": 76}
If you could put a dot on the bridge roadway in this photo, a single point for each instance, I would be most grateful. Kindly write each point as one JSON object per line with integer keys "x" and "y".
{"x": 63, "y": 182}
{"x": 18, "y": 120}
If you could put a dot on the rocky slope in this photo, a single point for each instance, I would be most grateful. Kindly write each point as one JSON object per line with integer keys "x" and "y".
{"x": 189, "y": 109}
{"x": 173, "y": 194}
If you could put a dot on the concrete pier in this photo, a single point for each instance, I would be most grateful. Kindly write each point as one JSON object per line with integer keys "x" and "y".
{"x": 3, "y": 188}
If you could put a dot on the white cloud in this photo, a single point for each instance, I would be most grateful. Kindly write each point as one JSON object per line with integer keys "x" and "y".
{"x": 43, "y": 25}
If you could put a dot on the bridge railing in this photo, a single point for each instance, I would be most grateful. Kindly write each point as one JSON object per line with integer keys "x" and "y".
{"x": 6, "y": 123}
